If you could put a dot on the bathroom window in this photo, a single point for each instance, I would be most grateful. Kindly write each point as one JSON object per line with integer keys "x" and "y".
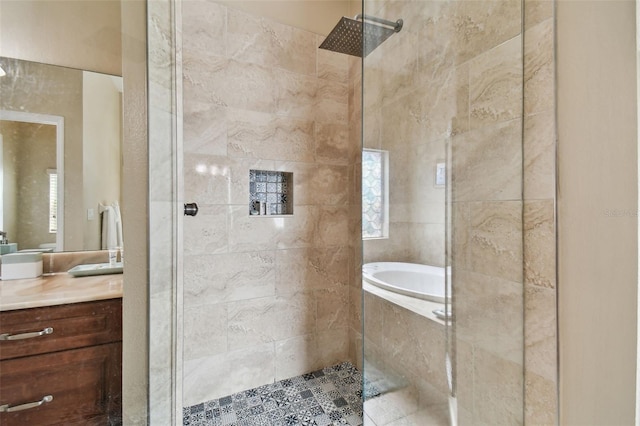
{"x": 375, "y": 194}
{"x": 53, "y": 201}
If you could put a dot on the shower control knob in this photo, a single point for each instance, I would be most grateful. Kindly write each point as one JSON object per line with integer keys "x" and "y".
{"x": 190, "y": 209}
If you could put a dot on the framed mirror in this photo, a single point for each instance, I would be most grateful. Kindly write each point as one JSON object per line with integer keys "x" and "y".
{"x": 61, "y": 137}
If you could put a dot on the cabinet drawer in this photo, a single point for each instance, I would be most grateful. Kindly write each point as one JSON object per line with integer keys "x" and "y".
{"x": 74, "y": 325}
{"x": 85, "y": 386}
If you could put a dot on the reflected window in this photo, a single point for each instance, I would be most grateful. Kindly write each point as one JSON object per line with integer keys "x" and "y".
{"x": 375, "y": 194}
{"x": 53, "y": 201}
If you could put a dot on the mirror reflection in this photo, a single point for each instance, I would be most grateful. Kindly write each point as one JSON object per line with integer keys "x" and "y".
{"x": 61, "y": 139}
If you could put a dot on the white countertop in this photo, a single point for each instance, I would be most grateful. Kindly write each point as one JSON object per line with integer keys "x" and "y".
{"x": 58, "y": 289}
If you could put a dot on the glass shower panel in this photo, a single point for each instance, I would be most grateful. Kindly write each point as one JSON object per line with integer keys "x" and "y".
{"x": 448, "y": 88}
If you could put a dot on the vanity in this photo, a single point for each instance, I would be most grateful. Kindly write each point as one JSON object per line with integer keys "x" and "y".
{"x": 61, "y": 350}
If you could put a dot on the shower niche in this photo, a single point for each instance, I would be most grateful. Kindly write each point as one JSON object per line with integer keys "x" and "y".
{"x": 270, "y": 193}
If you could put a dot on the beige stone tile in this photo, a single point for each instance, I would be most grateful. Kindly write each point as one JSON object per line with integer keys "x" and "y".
{"x": 295, "y": 95}
{"x": 298, "y": 230}
{"x": 355, "y": 308}
{"x": 460, "y": 123}
{"x": 243, "y": 369}
{"x": 539, "y": 69}
{"x": 228, "y": 277}
{"x": 332, "y": 144}
{"x": 297, "y": 355}
{"x": 269, "y": 319}
{"x": 331, "y": 102}
{"x": 536, "y": 11}
{"x": 330, "y": 185}
{"x": 392, "y": 406}
{"x": 203, "y": 78}
{"x": 206, "y": 178}
{"x": 539, "y": 153}
{"x": 252, "y": 38}
{"x": 487, "y": 163}
{"x": 205, "y": 128}
{"x": 498, "y": 396}
{"x": 331, "y": 65}
{"x": 372, "y": 126}
{"x": 309, "y": 269}
{"x": 463, "y": 376}
{"x": 204, "y": 28}
{"x": 541, "y": 402}
{"x": 332, "y": 308}
{"x": 495, "y": 241}
{"x": 332, "y": 227}
{"x": 495, "y": 85}
{"x": 540, "y": 332}
{"x": 205, "y": 331}
{"x": 269, "y": 137}
{"x": 373, "y": 318}
{"x": 393, "y": 249}
{"x": 333, "y": 346}
{"x": 460, "y": 235}
{"x": 303, "y": 175}
{"x": 479, "y": 26}
{"x": 540, "y": 243}
{"x": 206, "y": 233}
{"x": 437, "y": 415}
{"x": 480, "y": 322}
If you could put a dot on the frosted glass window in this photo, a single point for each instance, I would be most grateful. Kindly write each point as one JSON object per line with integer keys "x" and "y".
{"x": 375, "y": 199}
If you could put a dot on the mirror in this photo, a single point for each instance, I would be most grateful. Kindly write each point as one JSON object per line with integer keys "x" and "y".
{"x": 60, "y": 157}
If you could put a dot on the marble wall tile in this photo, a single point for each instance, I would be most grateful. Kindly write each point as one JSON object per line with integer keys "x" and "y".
{"x": 498, "y": 385}
{"x": 540, "y": 243}
{"x": 208, "y": 234}
{"x": 539, "y": 153}
{"x": 460, "y": 123}
{"x": 228, "y": 277}
{"x": 269, "y": 137}
{"x": 297, "y": 355}
{"x": 331, "y": 65}
{"x": 536, "y": 11}
{"x": 295, "y": 95}
{"x": 495, "y": 84}
{"x": 332, "y": 226}
{"x": 242, "y": 369}
{"x": 252, "y": 38}
{"x": 539, "y": 69}
{"x": 540, "y": 332}
{"x": 330, "y": 185}
{"x": 309, "y": 269}
{"x": 541, "y": 401}
{"x": 206, "y": 178}
{"x": 333, "y": 346}
{"x": 480, "y": 26}
{"x": 239, "y": 168}
{"x": 203, "y": 79}
{"x": 487, "y": 163}
{"x": 332, "y": 143}
{"x": 460, "y": 227}
{"x": 332, "y": 308}
{"x": 269, "y": 319}
{"x": 205, "y": 128}
{"x": 332, "y": 102}
{"x": 495, "y": 240}
{"x": 206, "y": 32}
{"x": 201, "y": 339}
{"x": 480, "y": 322}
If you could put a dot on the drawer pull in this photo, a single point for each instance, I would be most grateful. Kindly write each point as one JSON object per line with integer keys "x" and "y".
{"x": 8, "y": 409}
{"x": 7, "y": 336}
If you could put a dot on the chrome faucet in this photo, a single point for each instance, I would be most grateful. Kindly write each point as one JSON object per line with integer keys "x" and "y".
{"x": 3, "y": 238}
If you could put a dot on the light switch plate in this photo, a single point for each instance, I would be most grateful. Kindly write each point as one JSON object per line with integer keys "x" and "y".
{"x": 441, "y": 174}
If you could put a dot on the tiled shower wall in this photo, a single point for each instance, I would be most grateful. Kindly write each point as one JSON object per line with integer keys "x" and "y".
{"x": 265, "y": 298}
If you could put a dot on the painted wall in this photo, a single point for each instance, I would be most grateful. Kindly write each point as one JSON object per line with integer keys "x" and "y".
{"x": 597, "y": 211}
{"x": 264, "y": 298}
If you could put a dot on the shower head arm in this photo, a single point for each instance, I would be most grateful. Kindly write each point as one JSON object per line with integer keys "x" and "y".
{"x": 397, "y": 26}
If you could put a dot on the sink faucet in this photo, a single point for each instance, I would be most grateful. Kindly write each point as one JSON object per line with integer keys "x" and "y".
{"x": 3, "y": 238}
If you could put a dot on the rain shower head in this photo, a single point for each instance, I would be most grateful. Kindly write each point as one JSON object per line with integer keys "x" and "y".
{"x": 359, "y": 36}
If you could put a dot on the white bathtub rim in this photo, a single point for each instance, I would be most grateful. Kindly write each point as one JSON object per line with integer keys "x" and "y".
{"x": 369, "y": 268}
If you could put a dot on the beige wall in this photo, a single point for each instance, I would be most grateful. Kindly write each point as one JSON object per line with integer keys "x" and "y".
{"x": 597, "y": 211}
{"x": 9, "y": 132}
{"x": 81, "y": 34}
{"x": 101, "y": 153}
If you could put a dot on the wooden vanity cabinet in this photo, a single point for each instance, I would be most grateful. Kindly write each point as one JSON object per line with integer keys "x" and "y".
{"x": 78, "y": 364}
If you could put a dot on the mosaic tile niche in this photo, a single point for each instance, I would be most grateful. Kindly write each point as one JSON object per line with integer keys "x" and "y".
{"x": 270, "y": 193}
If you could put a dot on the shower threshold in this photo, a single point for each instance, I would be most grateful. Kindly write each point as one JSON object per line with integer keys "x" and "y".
{"x": 330, "y": 396}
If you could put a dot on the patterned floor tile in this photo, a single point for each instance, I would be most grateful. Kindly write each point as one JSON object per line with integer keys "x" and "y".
{"x": 326, "y": 397}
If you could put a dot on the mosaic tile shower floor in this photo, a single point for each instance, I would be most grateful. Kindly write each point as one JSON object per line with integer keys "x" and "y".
{"x": 327, "y": 397}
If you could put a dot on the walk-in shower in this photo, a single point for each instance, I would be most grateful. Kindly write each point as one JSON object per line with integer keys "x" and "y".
{"x": 361, "y": 35}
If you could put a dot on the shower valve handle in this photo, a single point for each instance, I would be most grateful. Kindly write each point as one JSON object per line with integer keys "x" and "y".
{"x": 190, "y": 209}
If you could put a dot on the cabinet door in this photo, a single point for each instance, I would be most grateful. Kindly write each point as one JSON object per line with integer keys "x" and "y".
{"x": 75, "y": 325}
{"x": 85, "y": 385}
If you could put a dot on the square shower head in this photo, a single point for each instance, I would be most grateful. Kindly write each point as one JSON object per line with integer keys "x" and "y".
{"x": 347, "y": 37}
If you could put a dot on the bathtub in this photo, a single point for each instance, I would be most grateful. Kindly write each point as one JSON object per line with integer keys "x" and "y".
{"x": 411, "y": 279}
